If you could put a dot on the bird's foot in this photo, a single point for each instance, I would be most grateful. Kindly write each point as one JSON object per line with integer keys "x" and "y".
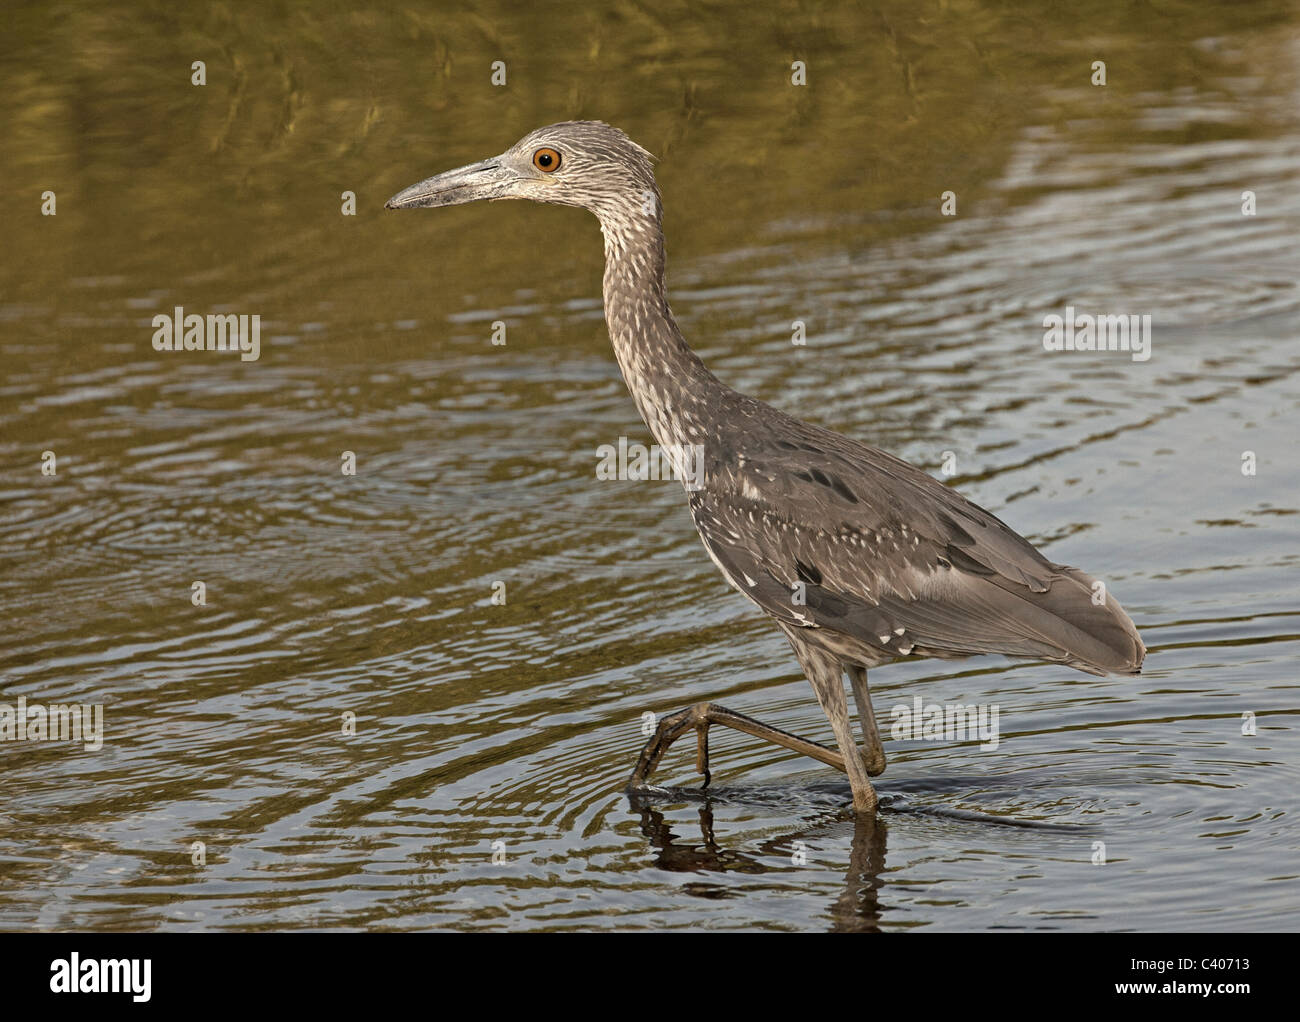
{"x": 699, "y": 718}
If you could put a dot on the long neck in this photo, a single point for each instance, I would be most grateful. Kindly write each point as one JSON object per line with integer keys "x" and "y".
{"x": 672, "y": 388}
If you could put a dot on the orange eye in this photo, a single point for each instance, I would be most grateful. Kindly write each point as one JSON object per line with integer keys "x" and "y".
{"x": 546, "y": 160}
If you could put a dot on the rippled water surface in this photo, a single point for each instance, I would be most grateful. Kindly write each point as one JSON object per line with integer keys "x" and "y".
{"x": 483, "y": 787}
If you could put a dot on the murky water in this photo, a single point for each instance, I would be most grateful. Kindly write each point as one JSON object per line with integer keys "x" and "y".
{"x": 483, "y": 728}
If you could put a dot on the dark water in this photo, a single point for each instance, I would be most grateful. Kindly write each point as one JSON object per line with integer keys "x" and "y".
{"x": 371, "y": 594}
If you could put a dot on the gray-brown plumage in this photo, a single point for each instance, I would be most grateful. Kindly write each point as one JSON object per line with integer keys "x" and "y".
{"x": 859, "y": 557}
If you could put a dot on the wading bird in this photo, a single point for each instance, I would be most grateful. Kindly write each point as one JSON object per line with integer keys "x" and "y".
{"x": 859, "y": 557}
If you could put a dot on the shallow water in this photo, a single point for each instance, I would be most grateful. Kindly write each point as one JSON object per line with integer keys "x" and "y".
{"x": 483, "y": 788}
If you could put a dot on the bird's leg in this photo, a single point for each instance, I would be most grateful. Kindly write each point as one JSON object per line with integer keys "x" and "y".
{"x": 699, "y": 718}
{"x": 873, "y": 753}
{"x": 702, "y": 750}
{"x": 827, "y": 679}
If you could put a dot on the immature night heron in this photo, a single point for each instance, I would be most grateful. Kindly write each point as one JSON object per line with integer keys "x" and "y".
{"x": 859, "y": 557}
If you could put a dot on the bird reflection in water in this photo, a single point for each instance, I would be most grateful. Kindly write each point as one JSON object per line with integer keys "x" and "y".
{"x": 856, "y": 909}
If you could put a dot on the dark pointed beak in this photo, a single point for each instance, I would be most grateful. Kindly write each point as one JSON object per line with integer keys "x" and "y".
{"x": 485, "y": 180}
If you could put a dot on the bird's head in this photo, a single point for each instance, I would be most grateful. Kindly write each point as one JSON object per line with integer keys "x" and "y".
{"x": 574, "y": 163}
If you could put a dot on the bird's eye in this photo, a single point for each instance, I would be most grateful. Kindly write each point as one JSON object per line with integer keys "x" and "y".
{"x": 546, "y": 160}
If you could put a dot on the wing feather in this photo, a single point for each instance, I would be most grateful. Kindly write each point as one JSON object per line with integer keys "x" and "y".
{"x": 824, "y": 532}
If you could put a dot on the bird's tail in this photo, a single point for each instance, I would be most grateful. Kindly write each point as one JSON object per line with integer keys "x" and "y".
{"x": 1091, "y": 629}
